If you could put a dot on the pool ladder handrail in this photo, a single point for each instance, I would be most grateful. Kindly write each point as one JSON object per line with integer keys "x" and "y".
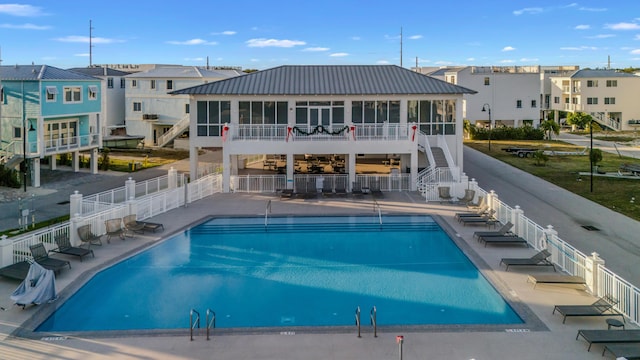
{"x": 358, "y": 320}
{"x": 267, "y": 210}
{"x": 210, "y": 323}
{"x": 376, "y": 206}
{"x": 192, "y": 323}
{"x": 373, "y": 316}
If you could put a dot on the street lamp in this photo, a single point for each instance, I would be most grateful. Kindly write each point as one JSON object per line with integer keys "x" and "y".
{"x": 23, "y": 166}
{"x": 486, "y": 107}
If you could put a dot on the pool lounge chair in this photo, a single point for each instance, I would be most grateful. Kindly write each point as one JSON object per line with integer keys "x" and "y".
{"x": 555, "y": 279}
{"x": 88, "y": 237}
{"x": 17, "y": 271}
{"x": 539, "y": 259}
{"x": 624, "y": 351}
{"x": 609, "y": 337}
{"x": 477, "y": 212}
{"x": 602, "y": 307}
{"x": 486, "y": 219}
{"x": 505, "y": 239}
{"x": 41, "y": 256}
{"x": 444, "y": 193}
{"x": 64, "y": 247}
{"x": 375, "y": 189}
{"x": 504, "y": 230}
{"x": 132, "y": 225}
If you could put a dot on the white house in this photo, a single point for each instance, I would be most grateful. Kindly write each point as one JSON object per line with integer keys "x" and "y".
{"x": 151, "y": 112}
{"x": 350, "y": 113}
{"x": 609, "y": 96}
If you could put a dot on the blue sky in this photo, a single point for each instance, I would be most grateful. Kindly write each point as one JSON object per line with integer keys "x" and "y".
{"x": 263, "y": 34}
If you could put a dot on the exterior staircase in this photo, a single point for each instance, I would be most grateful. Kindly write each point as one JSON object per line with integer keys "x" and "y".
{"x": 176, "y": 130}
{"x": 439, "y": 158}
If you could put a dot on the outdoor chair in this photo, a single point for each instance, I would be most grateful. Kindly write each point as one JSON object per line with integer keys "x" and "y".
{"x": 327, "y": 188}
{"x": 356, "y": 189}
{"x": 444, "y": 193}
{"x": 64, "y": 247}
{"x": 478, "y": 212}
{"x": 505, "y": 239}
{"x": 375, "y": 189}
{"x": 114, "y": 228}
{"x": 481, "y": 202}
{"x": 132, "y": 225}
{"x": 602, "y": 307}
{"x": 87, "y": 237}
{"x": 40, "y": 255}
{"x": 504, "y": 230}
{"x": 609, "y": 337}
{"x": 468, "y": 196}
{"x": 539, "y": 259}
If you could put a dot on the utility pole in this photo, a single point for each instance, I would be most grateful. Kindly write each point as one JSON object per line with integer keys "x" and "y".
{"x": 90, "y": 44}
{"x": 401, "y": 46}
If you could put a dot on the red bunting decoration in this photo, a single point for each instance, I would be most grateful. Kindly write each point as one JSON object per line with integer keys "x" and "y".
{"x": 413, "y": 136}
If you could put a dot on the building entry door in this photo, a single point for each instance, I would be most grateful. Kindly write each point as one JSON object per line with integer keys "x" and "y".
{"x": 319, "y": 115}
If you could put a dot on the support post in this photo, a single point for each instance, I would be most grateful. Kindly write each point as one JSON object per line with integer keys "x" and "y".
{"x": 130, "y": 188}
{"x": 6, "y": 251}
{"x": 592, "y": 265}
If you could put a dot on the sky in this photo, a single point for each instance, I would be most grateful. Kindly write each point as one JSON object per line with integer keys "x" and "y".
{"x": 265, "y": 34}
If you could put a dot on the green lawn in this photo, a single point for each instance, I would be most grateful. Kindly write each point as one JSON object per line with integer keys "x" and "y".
{"x": 615, "y": 194}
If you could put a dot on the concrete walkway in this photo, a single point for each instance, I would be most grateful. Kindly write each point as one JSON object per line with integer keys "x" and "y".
{"x": 607, "y": 146}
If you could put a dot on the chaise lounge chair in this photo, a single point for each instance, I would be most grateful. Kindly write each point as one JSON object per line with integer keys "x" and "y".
{"x": 608, "y": 336}
{"x": 602, "y": 307}
{"x": 41, "y": 256}
{"x": 623, "y": 351}
{"x": 87, "y": 237}
{"x": 444, "y": 193}
{"x": 132, "y": 225}
{"x": 486, "y": 219}
{"x": 64, "y": 247}
{"x": 114, "y": 228}
{"x": 17, "y": 271}
{"x": 504, "y": 230}
{"x": 556, "y": 279}
{"x": 505, "y": 239}
{"x": 476, "y": 213}
{"x": 539, "y": 259}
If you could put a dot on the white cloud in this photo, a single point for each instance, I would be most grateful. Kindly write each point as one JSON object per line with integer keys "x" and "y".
{"x": 582, "y": 27}
{"x": 508, "y": 48}
{"x": 415, "y": 37}
{"x": 82, "y": 55}
{"x": 227, "y": 32}
{"x": 507, "y": 61}
{"x": 192, "y": 42}
{"x": 356, "y": 38}
{"x": 592, "y": 9}
{"x": 443, "y": 62}
{"x": 21, "y": 10}
{"x": 383, "y": 62}
{"x": 529, "y": 11}
{"x": 623, "y": 26}
{"x": 85, "y": 39}
{"x": 25, "y": 27}
{"x": 274, "y": 43}
{"x": 342, "y": 54}
{"x": 316, "y": 49}
{"x": 529, "y": 60}
{"x": 578, "y": 48}
{"x": 637, "y": 37}
{"x": 601, "y": 36}
{"x": 635, "y": 52}
{"x": 471, "y": 59}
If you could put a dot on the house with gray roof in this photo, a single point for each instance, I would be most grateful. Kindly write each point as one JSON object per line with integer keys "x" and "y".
{"x": 153, "y": 114}
{"x": 46, "y": 113}
{"x": 321, "y": 121}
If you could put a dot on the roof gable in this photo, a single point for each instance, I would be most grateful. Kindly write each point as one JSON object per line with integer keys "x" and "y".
{"x": 328, "y": 80}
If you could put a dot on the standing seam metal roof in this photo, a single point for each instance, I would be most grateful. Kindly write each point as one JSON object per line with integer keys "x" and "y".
{"x": 328, "y": 80}
{"x": 40, "y": 72}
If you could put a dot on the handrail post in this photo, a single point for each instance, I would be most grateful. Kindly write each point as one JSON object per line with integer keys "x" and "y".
{"x": 358, "y": 320}
{"x": 193, "y": 324}
{"x": 212, "y": 322}
{"x": 373, "y": 315}
{"x": 267, "y": 210}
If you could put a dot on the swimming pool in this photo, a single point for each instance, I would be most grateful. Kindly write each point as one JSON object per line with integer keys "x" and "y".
{"x": 297, "y": 271}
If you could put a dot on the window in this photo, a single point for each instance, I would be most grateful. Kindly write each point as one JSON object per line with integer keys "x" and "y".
{"x": 134, "y": 83}
{"x": 592, "y": 101}
{"x": 153, "y": 84}
{"x": 556, "y": 99}
{"x": 1, "y": 94}
{"x": 433, "y": 116}
{"x": 110, "y": 83}
{"x": 169, "y": 84}
{"x": 52, "y": 93}
{"x": 72, "y": 94}
{"x": 263, "y": 112}
{"x": 609, "y": 101}
{"x": 186, "y": 108}
{"x": 612, "y": 83}
{"x": 93, "y": 92}
{"x": 592, "y": 83}
{"x": 533, "y": 104}
{"x": 211, "y": 117}
{"x": 375, "y": 112}
{"x": 137, "y": 106}
{"x": 122, "y": 82}
{"x": 519, "y": 104}
{"x": 487, "y": 81}
{"x": 17, "y": 132}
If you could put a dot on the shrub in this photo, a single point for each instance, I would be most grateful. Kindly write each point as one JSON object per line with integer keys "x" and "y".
{"x": 9, "y": 177}
{"x": 525, "y": 132}
{"x": 540, "y": 157}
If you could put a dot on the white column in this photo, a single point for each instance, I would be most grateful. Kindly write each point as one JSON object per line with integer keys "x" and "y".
{"x": 6, "y": 251}
{"x": 74, "y": 223}
{"x": 172, "y": 178}
{"x": 291, "y": 164}
{"x": 75, "y": 203}
{"x": 592, "y": 264}
{"x": 36, "y": 172}
{"x": 193, "y": 162}
{"x": 414, "y": 170}
{"x": 130, "y": 189}
{"x": 75, "y": 161}
{"x": 94, "y": 161}
{"x": 226, "y": 171}
{"x": 351, "y": 160}
{"x": 52, "y": 162}
{"x": 516, "y": 215}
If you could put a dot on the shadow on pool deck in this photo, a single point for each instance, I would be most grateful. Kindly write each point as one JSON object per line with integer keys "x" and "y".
{"x": 545, "y": 337}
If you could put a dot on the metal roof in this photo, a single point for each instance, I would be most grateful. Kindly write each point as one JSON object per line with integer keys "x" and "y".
{"x": 39, "y": 72}
{"x": 328, "y": 80}
{"x": 184, "y": 72}
{"x": 99, "y": 71}
{"x": 589, "y": 73}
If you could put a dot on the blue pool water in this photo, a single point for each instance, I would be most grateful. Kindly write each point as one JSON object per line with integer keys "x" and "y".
{"x": 298, "y": 271}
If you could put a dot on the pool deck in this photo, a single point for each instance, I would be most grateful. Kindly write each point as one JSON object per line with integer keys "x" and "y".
{"x": 549, "y": 339}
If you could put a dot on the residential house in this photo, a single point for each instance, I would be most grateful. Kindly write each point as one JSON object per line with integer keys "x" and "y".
{"x": 343, "y": 113}
{"x": 609, "y": 96}
{"x": 46, "y": 112}
{"x": 151, "y": 112}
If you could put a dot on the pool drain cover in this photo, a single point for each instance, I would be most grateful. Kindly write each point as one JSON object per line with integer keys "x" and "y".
{"x": 590, "y": 227}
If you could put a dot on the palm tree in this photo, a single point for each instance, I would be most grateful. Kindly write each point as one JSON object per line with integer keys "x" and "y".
{"x": 550, "y": 126}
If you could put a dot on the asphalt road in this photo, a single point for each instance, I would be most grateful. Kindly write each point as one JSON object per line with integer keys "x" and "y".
{"x": 617, "y": 241}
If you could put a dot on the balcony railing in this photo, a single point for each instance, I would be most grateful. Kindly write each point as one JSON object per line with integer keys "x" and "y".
{"x": 336, "y": 132}
{"x": 71, "y": 143}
